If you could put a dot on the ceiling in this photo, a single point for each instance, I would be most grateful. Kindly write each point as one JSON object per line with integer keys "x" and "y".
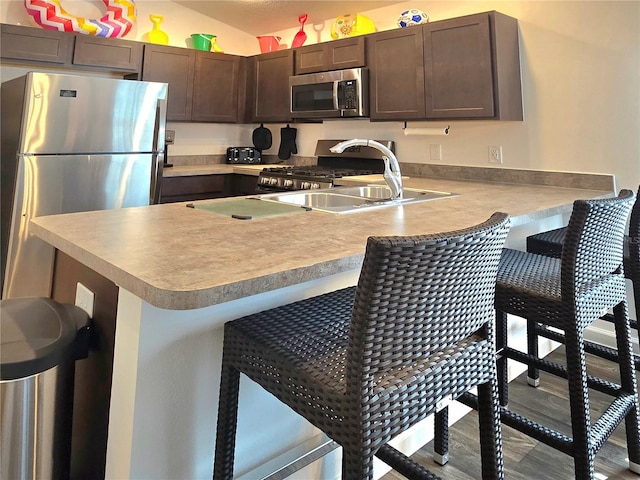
{"x": 259, "y": 17}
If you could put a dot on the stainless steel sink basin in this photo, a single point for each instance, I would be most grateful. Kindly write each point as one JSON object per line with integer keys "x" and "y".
{"x": 319, "y": 199}
{"x": 353, "y": 199}
{"x": 383, "y": 192}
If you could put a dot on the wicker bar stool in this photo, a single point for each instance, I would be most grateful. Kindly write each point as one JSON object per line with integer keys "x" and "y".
{"x": 569, "y": 294}
{"x": 365, "y": 363}
{"x": 550, "y": 243}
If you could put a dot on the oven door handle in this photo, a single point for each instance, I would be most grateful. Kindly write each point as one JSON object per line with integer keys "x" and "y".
{"x": 336, "y": 102}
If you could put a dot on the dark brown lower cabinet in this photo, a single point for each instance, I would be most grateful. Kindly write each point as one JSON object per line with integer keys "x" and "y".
{"x": 194, "y": 187}
{"x": 243, "y": 185}
{"x": 204, "y": 187}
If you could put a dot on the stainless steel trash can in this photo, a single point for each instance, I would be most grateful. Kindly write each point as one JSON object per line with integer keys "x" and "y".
{"x": 40, "y": 341}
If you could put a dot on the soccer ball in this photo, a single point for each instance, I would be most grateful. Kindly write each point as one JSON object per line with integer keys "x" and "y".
{"x": 412, "y": 17}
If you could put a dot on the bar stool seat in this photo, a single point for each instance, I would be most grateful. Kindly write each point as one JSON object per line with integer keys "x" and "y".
{"x": 365, "y": 363}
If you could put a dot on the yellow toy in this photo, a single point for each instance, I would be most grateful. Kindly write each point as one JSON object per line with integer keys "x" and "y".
{"x": 156, "y": 35}
{"x": 349, "y": 25}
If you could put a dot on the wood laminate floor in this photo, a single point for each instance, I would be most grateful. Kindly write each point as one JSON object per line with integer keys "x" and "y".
{"x": 524, "y": 457}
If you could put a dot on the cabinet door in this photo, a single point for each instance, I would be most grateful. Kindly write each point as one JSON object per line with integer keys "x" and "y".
{"x": 174, "y": 66}
{"x": 346, "y": 53}
{"x": 396, "y": 74}
{"x": 215, "y": 87}
{"x": 336, "y": 55}
{"x": 196, "y": 187}
{"x": 268, "y": 97}
{"x": 310, "y": 59}
{"x": 243, "y": 185}
{"x": 35, "y": 45}
{"x": 114, "y": 54}
{"x": 458, "y": 65}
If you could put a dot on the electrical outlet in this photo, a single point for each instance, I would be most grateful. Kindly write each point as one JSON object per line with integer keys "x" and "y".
{"x": 85, "y": 299}
{"x": 495, "y": 154}
{"x": 436, "y": 152}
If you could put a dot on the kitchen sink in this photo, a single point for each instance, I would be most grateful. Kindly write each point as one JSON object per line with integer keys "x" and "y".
{"x": 353, "y": 199}
{"x": 383, "y": 192}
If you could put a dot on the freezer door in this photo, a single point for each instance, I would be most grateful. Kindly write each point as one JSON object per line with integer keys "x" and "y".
{"x": 49, "y": 185}
{"x": 80, "y": 114}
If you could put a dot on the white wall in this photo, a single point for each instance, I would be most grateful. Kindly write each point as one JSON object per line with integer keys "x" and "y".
{"x": 580, "y": 65}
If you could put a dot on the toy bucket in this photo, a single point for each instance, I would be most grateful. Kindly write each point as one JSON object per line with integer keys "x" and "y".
{"x": 202, "y": 41}
{"x": 269, "y": 43}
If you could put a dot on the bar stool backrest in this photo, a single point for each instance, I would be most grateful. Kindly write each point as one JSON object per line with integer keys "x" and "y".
{"x": 419, "y": 295}
{"x": 634, "y": 237}
{"x": 593, "y": 247}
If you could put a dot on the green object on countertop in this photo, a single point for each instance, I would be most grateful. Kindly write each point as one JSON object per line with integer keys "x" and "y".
{"x": 248, "y": 208}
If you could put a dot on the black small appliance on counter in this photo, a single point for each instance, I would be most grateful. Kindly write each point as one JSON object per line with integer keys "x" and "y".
{"x": 244, "y": 155}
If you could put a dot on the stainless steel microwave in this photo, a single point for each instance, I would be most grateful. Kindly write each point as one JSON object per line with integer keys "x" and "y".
{"x": 335, "y": 94}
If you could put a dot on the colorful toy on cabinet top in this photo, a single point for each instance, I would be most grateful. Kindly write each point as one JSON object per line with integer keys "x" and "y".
{"x": 349, "y": 25}
{"x": 411, "y": 17}
{"x": 156, "y": 35}
{"x": 268, "y": 43}
{"x": 205, "y": 42}
{"x": 49, "y": 14}
{"x": 301, "y": 36}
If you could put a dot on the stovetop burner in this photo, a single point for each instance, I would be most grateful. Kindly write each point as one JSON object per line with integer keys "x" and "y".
{"x": 320, "y": 171}
{"x": 352, "y": 162}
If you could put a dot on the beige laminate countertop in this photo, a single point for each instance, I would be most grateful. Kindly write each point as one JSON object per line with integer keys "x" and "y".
{"x": 178, "y": 258}
{"x": 216, "y": 169}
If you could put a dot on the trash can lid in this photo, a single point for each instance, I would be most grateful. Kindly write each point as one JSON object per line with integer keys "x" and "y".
{"x": 36, "y": 334}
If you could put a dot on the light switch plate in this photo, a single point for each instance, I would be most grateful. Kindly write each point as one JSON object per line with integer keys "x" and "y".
{"x": 85, "y": 299}
{"x": 436, "y": 151}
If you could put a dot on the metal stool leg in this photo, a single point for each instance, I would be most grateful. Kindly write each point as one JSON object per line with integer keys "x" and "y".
{"x": 583, "y": 455}
{"x": 441, "y": 437}
{"x": 533, "y": 374}
{"x": 501, "y": 343}
{"x": 629, "y": 385}
{"x": 490, "y": 431}
{"x": 227, "y": 423}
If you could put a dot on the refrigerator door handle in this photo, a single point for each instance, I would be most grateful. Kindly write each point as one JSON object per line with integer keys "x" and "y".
{"x": 161, "y": 125}
{"x": 158, "y": 155}
{"x": 156, "y": 178}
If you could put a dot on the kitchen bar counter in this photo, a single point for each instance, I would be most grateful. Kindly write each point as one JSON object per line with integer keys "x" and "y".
{"x": 202, "y": 259}
{"x": 183, "y": 273}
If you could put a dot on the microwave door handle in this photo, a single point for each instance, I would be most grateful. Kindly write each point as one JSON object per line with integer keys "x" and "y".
{"x": 336, "y": 91}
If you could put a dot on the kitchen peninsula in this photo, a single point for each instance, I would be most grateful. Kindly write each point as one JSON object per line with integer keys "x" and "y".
{"x": 183, "y": 272}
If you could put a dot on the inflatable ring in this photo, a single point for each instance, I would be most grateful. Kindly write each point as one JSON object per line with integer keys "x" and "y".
{"x": 49, "y": 14}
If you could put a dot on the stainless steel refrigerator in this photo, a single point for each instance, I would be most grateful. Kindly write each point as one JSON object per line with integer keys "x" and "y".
{"x": 71, "y": 144}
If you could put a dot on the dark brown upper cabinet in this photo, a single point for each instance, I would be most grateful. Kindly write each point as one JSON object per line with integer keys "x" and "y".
{"x": 175, "y": 66}
{"x": 112, "y": 53}
{"x": 26, "y": 44}
{"x": 471, "y": 70}
{"x": 268, "y": 87}
{"x": 203, "y": 86}
{"x": 396, "y": 74}
{"x": 216, "y": 87}
{"x": 335, "y": 55}
{"x": 36, "y": 45}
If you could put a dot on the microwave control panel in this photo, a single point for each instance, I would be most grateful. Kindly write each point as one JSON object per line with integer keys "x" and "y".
{"x": 349, "y": 95}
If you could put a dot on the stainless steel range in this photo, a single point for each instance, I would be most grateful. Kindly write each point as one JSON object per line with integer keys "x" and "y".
{"x": 330, "y": 166}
